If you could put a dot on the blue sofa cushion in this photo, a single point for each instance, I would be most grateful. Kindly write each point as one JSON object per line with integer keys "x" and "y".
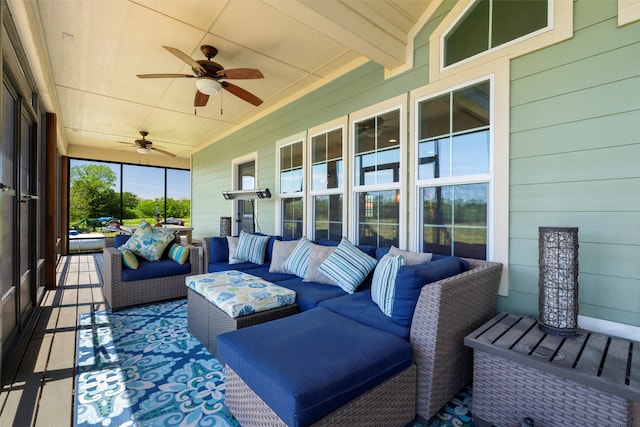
{"x": 410, "y": 280}
{"x": 212, "y": 267}
{"x": 360, "y": 307}
{"x": 218, "y": 250}
{"x": 152, "y": 269}
{"x": 310, "y": 294}
{"x": 302, "y": 389}
{"x": 274, "y": 277}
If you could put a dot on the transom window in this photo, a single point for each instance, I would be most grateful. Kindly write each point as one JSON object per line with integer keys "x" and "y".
{"x": 492, "y": 23}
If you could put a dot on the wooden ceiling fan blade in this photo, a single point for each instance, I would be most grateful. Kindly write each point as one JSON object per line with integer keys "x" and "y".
{"x": 186, "y": 58}
{"x": 162, "y": 151}
{"x": 163, "y": 75}
{"x": 241, "y": 93}
{"x": 201, "y": 99}
{"x": 241, "y": 73}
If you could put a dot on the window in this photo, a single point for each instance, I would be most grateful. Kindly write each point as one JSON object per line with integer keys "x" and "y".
{"x": 491, "y": 23}
{"x": 291, "y": 186}
{"x": 244, "y": 209}
{"x": 377, "y": 174}
{"x": 453, "y": 171}
{"x": 327, "y": 184}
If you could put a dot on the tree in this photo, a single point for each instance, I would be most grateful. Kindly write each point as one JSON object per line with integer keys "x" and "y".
{"x": 92, "y": 193}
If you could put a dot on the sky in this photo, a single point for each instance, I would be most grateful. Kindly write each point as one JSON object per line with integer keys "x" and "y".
{"x": 148, "y": 182}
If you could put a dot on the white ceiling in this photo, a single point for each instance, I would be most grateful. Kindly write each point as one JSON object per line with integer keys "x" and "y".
{"x": 85, "y": 55}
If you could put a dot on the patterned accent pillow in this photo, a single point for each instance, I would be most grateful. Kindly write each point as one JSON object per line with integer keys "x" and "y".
{"x": 299, "y": 259}
{"x": 129, "y": 259}
{"x": 148, "y": 242}
{"x": 178, "y": 253}
{"x": 383, "y": 285}
{"x": 412, "y": 258}
{"x": 251, "y": 247}
{"x": 317, "y": 255}
{"x": 347, "y": 266}
{"x": 281, "y": 251}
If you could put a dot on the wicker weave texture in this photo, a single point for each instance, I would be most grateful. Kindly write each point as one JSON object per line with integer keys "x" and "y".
{"x": 505, "y": 392}
{"x": 121, "y": 294}
{"x": 391, "y": 403}
{"x": 446, "y": 312}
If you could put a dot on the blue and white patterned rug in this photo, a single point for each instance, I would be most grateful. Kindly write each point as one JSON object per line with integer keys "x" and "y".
{"x": 141, "y": 367}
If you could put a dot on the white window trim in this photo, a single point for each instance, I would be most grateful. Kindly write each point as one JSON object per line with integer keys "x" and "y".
{"x": 396, "y": 103}
{"x": 498, "y": 205}
{"x": 235, "y": 163}
{"x": 559, "y": 28}
{"x": 298, "y": 137}
{"x": 339, "y": 123}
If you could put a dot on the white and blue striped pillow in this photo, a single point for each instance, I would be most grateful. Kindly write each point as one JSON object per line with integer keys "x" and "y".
{"x": 383, "y": 286}
{"x": 347, "y": 266}
{"x": 179, "y": 253}
{"x": 251, "y": 247}
{"x": 298, "y": 260}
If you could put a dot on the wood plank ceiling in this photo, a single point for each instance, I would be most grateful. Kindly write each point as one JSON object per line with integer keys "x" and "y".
{"x": 85, "y": 55}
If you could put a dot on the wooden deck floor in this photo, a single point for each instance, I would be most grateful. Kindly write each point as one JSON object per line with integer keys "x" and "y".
{"x": 39, "y": 388}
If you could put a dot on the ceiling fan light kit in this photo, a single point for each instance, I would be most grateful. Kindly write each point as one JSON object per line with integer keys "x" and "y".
{"x": 208, "y": 86}
{"x": 143, "y": 150}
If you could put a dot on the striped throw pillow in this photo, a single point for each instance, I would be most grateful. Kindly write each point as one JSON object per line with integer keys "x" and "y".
{"x": 298, "y": 261}
{"x": 129, "y": 259}
{"x": 383, "y": 286}
{"x": 347, "y": 266}
{"x": 178, "y": 253}
{"x": 251, "y": 247}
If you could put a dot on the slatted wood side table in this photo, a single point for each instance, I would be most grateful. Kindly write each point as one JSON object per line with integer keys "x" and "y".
{"x": 519, "y": 371}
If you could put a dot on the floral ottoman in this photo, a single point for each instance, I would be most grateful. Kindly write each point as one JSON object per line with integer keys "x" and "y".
{"x": 228, "y": 300}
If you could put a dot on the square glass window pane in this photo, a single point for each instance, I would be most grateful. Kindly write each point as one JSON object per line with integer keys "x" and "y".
{"x": 334, "y": 144}
{"x": 321, "y": 208}
{"x": 285, "y": 157}
{"x": 514, "y": 19}
{"x": 470, "y": 153}
{"x": 319, "y": 177}
{"x": 319, "y": 148}
{"x": 437, "y": 240}
{"x": 296, "y": 180}
{"x": 285, "y": 182}
{"x": 471, "y": 107}
{"x": 428, "y": 160}
{"x": 320, "y": 230}
{"x": 296, "y": 155}
{"x": 437, "y": 205}
{"x": 434, "y": 117}
{"x": 471, "y": 205}
{"x": 335, "y": 231}
{"x": 470, "y": 36}
{"x": 470, "y": 242}
{"x": 365, "y": 136}
{"x": 334, "y": 174}
{"x": 388, "y": 129}
{"x": 388, "y": 166}
{"x": 335, "y": 208}
{"x": 368, "y": 234}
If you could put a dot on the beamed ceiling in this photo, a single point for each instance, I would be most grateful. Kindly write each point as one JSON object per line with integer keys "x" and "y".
{"x": 85, "y": 55}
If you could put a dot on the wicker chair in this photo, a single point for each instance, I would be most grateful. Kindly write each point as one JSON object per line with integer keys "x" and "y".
{"x": 121, "y": 294}
{"x": 446, "y": 312}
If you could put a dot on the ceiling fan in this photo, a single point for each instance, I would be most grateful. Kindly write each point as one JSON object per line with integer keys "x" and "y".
{"x": 144, "y": 146}
{"x": 208, "y": 75}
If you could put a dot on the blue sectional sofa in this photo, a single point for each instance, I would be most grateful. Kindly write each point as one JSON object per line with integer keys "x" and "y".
{"x": 341, "y": 360}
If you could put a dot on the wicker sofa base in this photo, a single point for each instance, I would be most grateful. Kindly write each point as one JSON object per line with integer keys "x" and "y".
{"x": 206, "y": 321}
{"x": 505, "y": 392}
{"x": 391, "y": 403}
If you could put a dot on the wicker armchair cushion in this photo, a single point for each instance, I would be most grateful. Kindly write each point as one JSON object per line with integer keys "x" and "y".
{"x": 410, "y": 280}
{"x": 153, "y": 269}
{"x": 360, "y": 307}
{"x": 296, "y": 386}
{"x": 309, "y": 295}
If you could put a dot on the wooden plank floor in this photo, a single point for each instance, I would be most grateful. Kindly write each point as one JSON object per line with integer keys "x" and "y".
{"x": 39, "y": 391}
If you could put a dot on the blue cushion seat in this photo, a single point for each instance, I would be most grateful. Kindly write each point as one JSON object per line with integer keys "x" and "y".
{"x": 360, "y": 307}
{"x": 348, "y": 358}
{"x": 310, "y": 294}
{"x": 152, "y": 269}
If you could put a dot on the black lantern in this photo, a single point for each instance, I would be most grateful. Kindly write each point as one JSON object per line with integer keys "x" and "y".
{"x": 558, "y": 280}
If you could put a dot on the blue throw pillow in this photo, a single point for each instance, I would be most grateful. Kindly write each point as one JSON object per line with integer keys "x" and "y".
{"x": 178, "y": 253}
{"x": 411, "y": 279}
{"x": 129, "y": 259}
{"x": 347, "y": 266}
{"x": 298, "y": 261}
{"x": 218, "y": 249}
{"x": 251, "y": 247}
{"x": 383, "y": 286}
